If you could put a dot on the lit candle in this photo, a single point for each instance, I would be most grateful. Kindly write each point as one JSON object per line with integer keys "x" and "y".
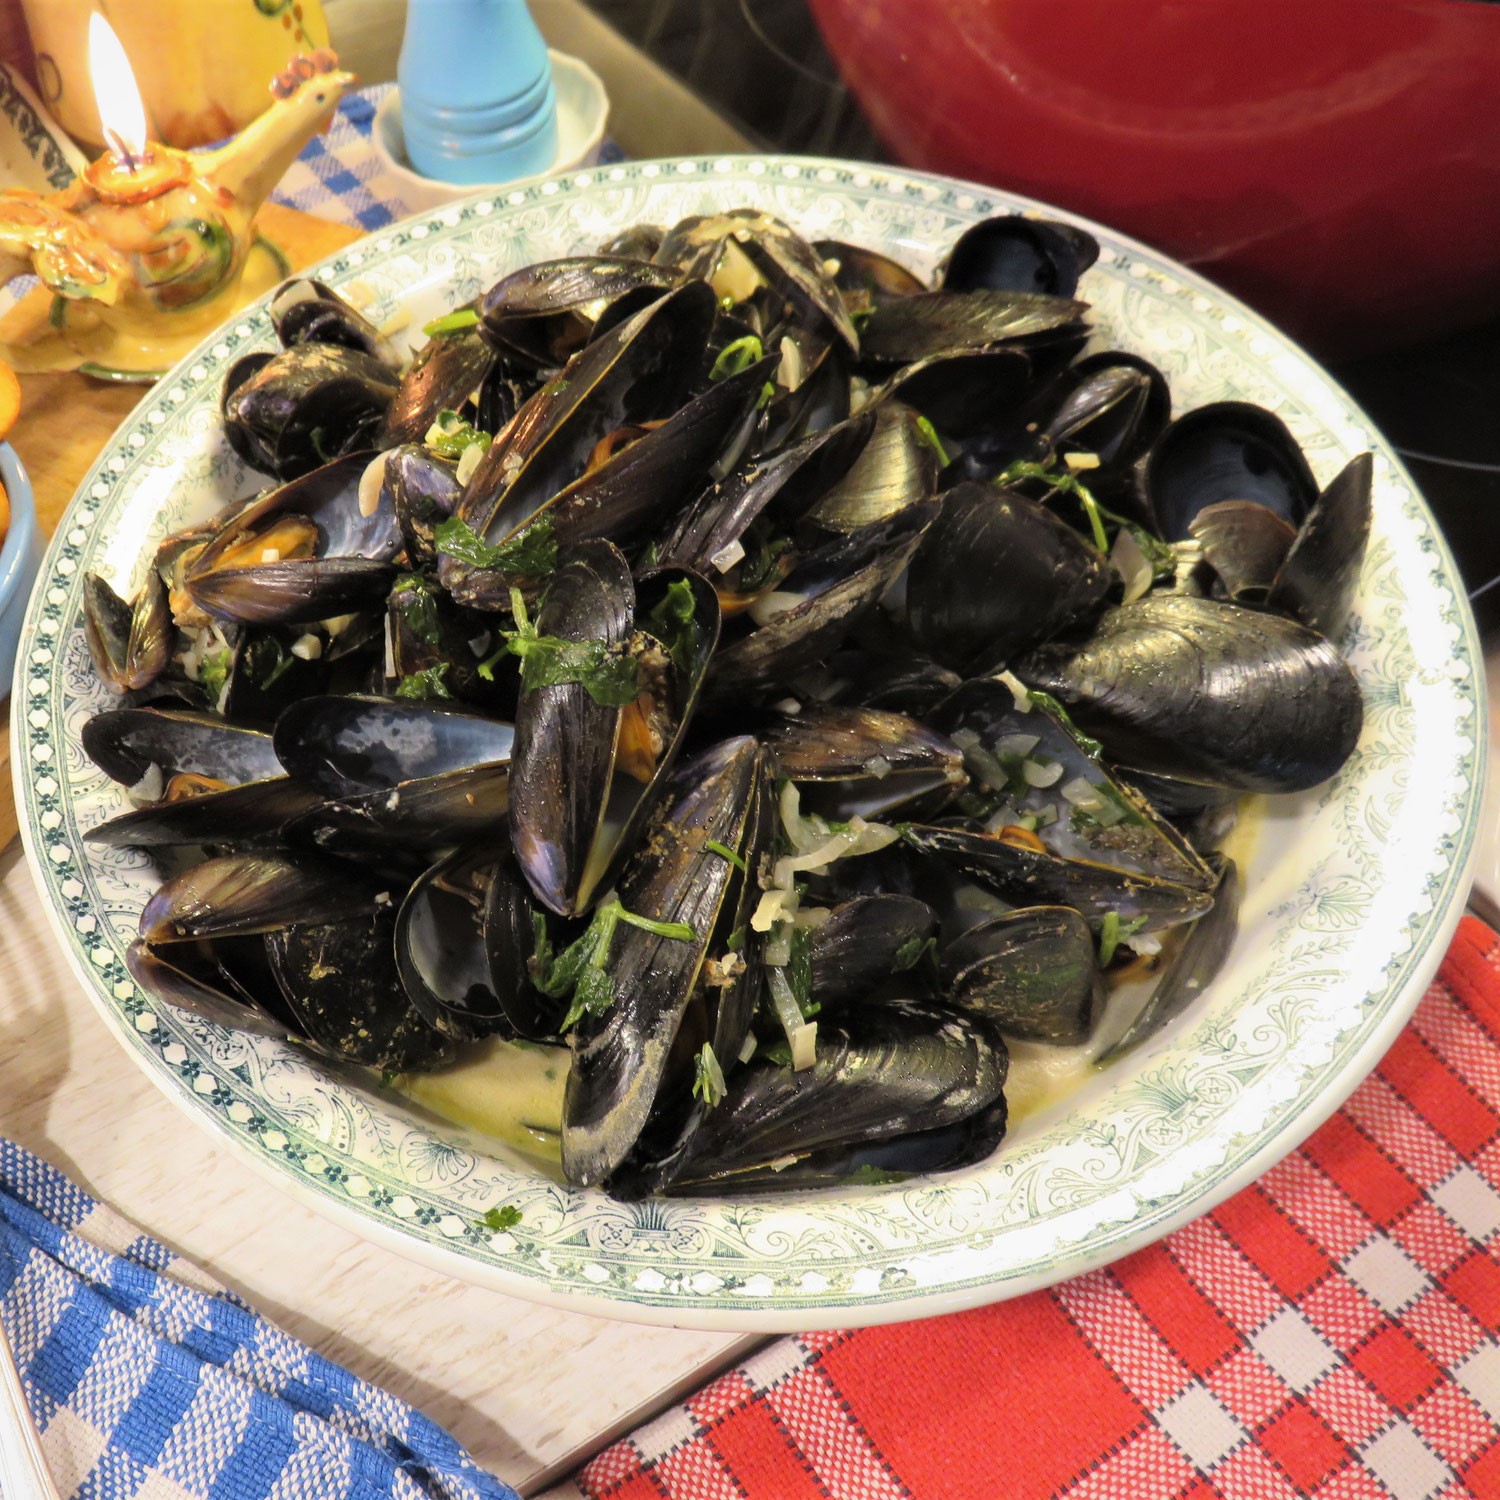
{"x": 134, "y": 168}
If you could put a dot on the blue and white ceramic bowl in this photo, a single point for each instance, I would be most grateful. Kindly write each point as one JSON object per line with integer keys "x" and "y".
{"x": 1351, "y": 891}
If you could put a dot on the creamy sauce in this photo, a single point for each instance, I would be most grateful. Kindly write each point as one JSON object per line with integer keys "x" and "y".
{"x": 509, "y": 1091}
{"x": 1041, "y": 1076}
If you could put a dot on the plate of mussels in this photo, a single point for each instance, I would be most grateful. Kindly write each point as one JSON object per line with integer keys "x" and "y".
{"x": 751, "y": 742}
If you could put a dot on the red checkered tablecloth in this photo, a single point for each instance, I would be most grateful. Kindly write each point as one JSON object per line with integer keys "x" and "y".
{"x": 1330, "y": 1332}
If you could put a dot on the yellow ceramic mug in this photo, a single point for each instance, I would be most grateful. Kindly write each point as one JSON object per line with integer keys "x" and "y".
{"x": 203, "y": 66}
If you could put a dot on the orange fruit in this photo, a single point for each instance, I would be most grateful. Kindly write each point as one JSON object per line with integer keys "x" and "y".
{"x": 10, "y": 402}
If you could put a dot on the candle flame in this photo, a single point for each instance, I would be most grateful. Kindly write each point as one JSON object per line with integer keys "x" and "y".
{"x": 121, "y": 112}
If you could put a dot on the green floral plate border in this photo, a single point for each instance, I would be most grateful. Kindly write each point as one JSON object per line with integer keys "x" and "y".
{"x": 1352, "y": 891}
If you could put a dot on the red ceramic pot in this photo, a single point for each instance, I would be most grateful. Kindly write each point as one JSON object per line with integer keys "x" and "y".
{"x": 1335, "y": 162}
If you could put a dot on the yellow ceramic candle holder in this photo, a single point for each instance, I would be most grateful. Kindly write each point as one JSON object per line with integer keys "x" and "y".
{"x": 151, "y": 248}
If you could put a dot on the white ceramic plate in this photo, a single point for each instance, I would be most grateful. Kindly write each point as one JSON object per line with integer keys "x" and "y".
{"x": 1352, "y": 890}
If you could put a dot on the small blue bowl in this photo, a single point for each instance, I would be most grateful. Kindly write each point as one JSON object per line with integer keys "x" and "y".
{"x": 20, "y": 557}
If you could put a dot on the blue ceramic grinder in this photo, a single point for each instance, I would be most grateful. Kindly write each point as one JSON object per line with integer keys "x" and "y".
{"x": 477, "y": 103}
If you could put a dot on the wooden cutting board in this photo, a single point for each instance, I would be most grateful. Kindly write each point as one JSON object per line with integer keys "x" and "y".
{"x": 67, "y": 418}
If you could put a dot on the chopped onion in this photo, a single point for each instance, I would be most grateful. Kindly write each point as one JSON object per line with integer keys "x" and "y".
{"x": 878, "y": 767}
{"x": 769, "y": 606}
{"x": 370, "y": 483}
{"x": 1003, "y": 817}
{"x": 774, "y": 906}
{"x": 1017, "y": 744}
{"x": 859, "y": 838}
{"x": 270, "y": 554}
{"x": 747, "y": 1047}
{"x": 149, "y": 787}
{"x": 789, "y": 374}
{"x": 1147, "y": 944}
{"x": 804, "y": 1046}
{"x": 1046, "y": 816}
{"x": 787, "y": 706}
{"x": 390, "y": 649}
{"x": 1018, "y": 690}
{"x": 1037, "y": 774}
{"x": 309, "y": 647}
{"x": 801, "y": 1035}
{"x": 1131, "y": 564}
{"x": 469, "y": 460}
{"x": 965, "y": 739}
{"x": 810, "y": 916}
{"x": 727, "y": 556}
{"x": 779, "y": 946}
{"x": 1081, "y": 792}
{"x": 1081, "y": 461}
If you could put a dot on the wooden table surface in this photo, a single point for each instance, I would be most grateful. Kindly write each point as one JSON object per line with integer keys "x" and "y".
{"x": 523, "y": 1387}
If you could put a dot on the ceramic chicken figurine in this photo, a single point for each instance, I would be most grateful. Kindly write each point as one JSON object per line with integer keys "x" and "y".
{"x": 141, "y": 256}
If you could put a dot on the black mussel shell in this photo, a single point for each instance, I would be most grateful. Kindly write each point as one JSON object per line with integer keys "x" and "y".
{"x": 864, "y": 761}
{"x": 1206, "y": 691}
{"x": 639, "y": 242}
{"x": 1321, "y": 572}
{"x": 304, "y": 311}
{"x": 620, "y": 1057}
{"x": 424, "y": 491}
{"x": 1017, "y": 253}
{"x": 996, "y": 574}
{"x": 1244, "y": 545}
{"x": 446, "y": 372}
{"x": 944, "y": 322}
{"x": 968, "y": 394}
{"x": 883, "y": 1071}
{"x": 131, "y": 744}
{"x": 548, "y": 311}
{"x": 226, "y": 983}
{"x": 251, "y": 815}
{"x": 272, "y": 667}
{"x": 1110, "y": 404}
{"x": 1230, "y": 450}
{"x": 1192, "y": 969}
{"x": 1031, "y": 972}
{"x": 898, "y": 466}
{"x": 305, "y": 406}
{"x": 865, "y": 277}
{"x": 131, "y": 643}
{"x": 863, "y": 943}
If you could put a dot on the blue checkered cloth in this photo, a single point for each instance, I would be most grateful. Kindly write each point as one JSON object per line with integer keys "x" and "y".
{"x": 339, "y": 176}
{"x": 148, "y": 1381}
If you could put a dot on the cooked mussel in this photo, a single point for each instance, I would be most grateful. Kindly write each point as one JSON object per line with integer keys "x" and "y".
{"x": 447, "y": 371}
{"x": 131, "y": 643}
{"x": 1206, "y": 691}
{"x": 1019, "y": 253}
{"x": 305, "y": 311}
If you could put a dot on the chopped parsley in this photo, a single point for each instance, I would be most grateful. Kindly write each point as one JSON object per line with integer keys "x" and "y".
{"x": 213, "y": 672}
{"x": 734, "y": 859}
{"x": 933, "y": 441}
{"x": 414, "y": 599}
{"x": 433, "y": 683}
{"x": 1113, "y": 932}
{"x": 458, "y": 321}
{"x": 674, "y": 622}
{"x": 912, "y": 952}
{"x": 451, "y": 434}
{"x": 496, "y": 1220}
{"x": 607, "y": 673}
{"x": 708, "y": 1077}
{"x": 530, "y": 553}
{"x": 737, "y": 356}
{"x": 579, "y": 970}
{"x": 1090, "y": 746}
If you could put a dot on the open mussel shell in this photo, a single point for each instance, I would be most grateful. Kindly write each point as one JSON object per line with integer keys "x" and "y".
{"x": 913, "y": 328}
{"x": 1245, "y": 545}
{"x": 883, "y": 1071}
{"x": 997, "y": 573}
{"x": 638, "y": 372}
{"x": 585, "y": 772}
{"x": 864, "y": 761}
{"x": 245, "y": 816}
{"x": 238, "y": 895}
{"x": 1321, "y": 572}
{"x": 782, "y": 486}
{"x": 348, "y": 744}
{"x": 423, "y": 491}
{"x": 131, "y": 643}
{"x": 305, "y": 311}
{"x": 440, "y": 948}
{"x": 657, "y": 470}
{"x": 1032, "y": 972}
{"x": 1018, "y": 253}
{"x": 137, "y": 746}
{"x": 272, "y": 666}
{"x": 508, "y": 929}
{"x": 1191, "y": 970}
{"x": 866, "y": 277}
{"x": 305, "y": 406}
{"x": 818, "y": 603}
{"x": 738, "y": 250}
{"x": 872, "y": 677}
{"x": 546, "y": 312}
{"x": 316, "y": 547}
{"x": 621, "y": 1056}
{"x": 431, "y": 644}
{"x": 1033, "y": 764}
{"x": 1111, "y": 404}
{"x": 862, "y": 943}
{"x": 226, "y": 983}
{"x": 1229, "y": 450}
{"x": 1016, "y": 867}
{"x": 1205, "y": 691}
{"x": 898, "y": 466}
{"x": 446, "y": 372}
{"x": 340, "y": 982}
